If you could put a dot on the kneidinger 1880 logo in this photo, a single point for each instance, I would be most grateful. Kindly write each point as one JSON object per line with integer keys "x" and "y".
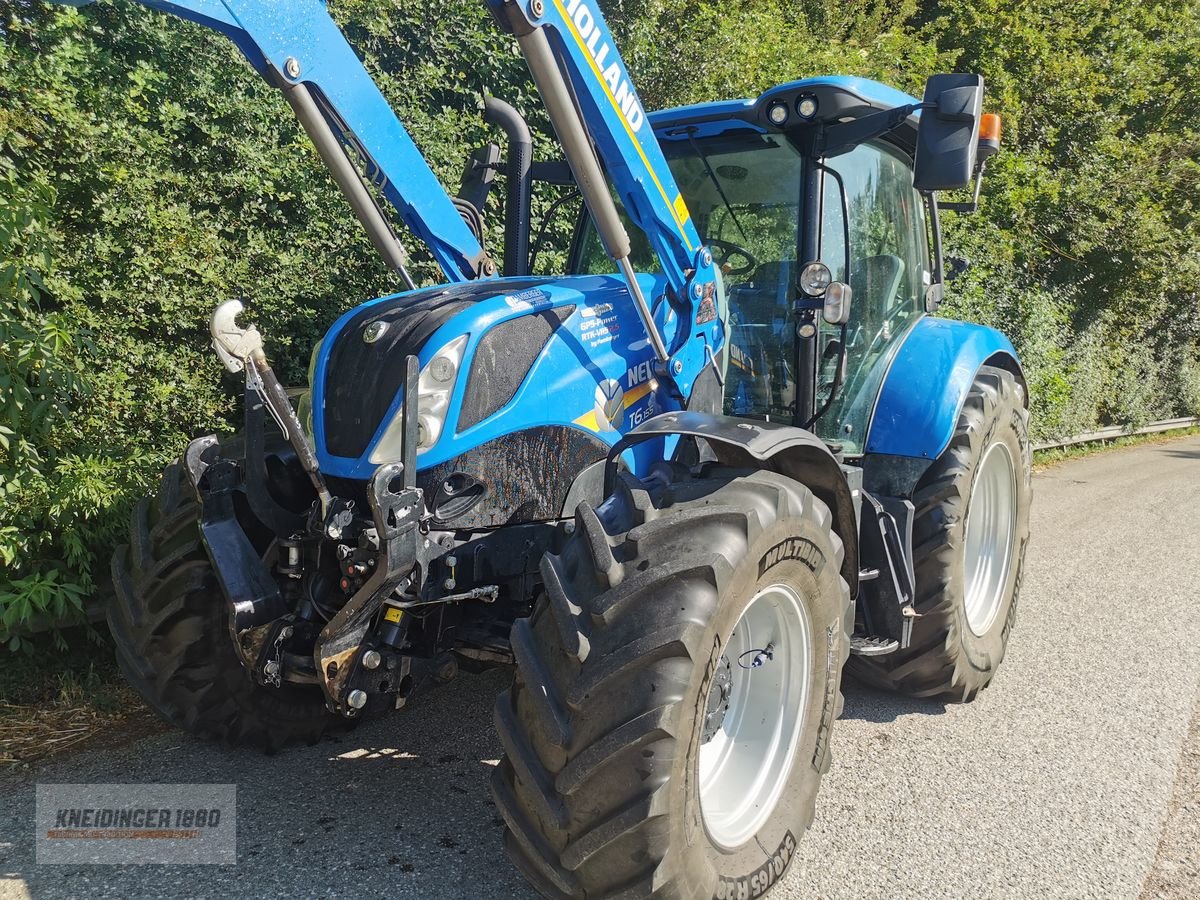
{"x": 136, "y": 823}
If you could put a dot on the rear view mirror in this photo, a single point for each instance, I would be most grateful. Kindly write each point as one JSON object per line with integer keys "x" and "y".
{"x": 947, "y": 138}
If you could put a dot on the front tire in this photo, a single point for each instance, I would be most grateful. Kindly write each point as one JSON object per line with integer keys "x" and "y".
{"x": 170, "y": 623}
{"x": 613, "y": 781}
{"x": 969, "y": 536}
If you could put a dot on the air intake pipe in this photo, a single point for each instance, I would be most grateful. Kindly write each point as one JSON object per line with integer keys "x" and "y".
{"x": 519, "y": 182}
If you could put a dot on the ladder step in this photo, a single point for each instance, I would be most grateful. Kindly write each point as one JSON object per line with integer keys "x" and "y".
{"x": 867, "y": 645}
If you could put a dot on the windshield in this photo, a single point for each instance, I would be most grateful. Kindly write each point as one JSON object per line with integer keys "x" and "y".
{"x": 743, "y": 192}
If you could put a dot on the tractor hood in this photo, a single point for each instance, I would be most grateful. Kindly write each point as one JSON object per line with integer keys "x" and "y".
{"x": 364, "y": 368}
{"x": 517, "y": 355}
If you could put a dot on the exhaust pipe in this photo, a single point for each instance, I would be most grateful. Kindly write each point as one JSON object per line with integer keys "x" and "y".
{"x": 519, "y": 182}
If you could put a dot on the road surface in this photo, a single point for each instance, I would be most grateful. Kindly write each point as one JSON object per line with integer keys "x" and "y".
{"x": 1055, "y": 783}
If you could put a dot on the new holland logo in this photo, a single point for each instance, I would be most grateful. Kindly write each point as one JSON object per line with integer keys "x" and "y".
{"x": 587, "y": 28}
{"x": 612, "y": 399}
{"x": 610, "y": 404}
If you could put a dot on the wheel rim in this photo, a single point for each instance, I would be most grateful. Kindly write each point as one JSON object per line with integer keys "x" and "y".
{"x": 991, "y": 526}
{"x": 754, "y": 715}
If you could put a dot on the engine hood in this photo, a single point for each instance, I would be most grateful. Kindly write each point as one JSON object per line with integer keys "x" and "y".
{"x": 537, "y": 352}
{"x": 362, "y": 373}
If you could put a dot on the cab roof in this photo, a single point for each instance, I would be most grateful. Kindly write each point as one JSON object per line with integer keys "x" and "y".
{"x": 838, "y": 98}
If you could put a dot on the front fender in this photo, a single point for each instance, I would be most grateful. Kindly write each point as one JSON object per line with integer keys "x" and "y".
{"x": 754, "y": 444}
{"x": 924, "y": 390}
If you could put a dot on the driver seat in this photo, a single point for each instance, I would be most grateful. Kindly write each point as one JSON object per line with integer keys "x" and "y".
{"x": 874, "y": 283}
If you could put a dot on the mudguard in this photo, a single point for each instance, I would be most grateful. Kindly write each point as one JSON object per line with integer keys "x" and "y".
{"x": 927, "y": 383}
{"x": 752, "y": 443}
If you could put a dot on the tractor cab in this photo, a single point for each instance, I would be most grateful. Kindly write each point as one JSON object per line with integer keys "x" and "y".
{"x": 794, "y": 192}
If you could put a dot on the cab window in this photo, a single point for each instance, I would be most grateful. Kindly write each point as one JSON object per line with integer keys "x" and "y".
{"x": 743, "y": 193}
{"x": 889, "y": 273}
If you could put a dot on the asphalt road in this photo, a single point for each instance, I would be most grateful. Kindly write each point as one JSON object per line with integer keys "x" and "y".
{"x": 1056, "y": 782}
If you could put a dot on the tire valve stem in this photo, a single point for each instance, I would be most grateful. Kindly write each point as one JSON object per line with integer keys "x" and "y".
{"x": 761, "y": 657}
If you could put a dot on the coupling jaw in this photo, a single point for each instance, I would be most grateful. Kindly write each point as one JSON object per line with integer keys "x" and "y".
{"x": 234, "y": 344}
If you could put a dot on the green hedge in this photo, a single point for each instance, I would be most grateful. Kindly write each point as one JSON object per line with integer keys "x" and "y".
{"x": 146, "y": 173}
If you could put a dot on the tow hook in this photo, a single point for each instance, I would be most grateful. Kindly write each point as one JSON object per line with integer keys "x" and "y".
{"x": 242, "y": 349}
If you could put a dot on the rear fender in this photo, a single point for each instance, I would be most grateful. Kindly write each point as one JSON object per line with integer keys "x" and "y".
{"x": 751, "y": 443}
{"x": 923, "y": 394}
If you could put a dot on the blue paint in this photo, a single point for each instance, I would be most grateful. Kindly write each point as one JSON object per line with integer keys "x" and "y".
{"x": 928, "y": 382}
{"x": 874, "y": 93}
{"x": 877, "y": 94}
{"x": 601, "y": 339}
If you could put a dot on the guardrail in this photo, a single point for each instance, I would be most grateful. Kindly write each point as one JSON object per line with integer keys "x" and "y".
{"x": 1117, "y": 431}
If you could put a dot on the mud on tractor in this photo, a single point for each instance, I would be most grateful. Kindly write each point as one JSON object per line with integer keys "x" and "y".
{"x": 679, "y": 488}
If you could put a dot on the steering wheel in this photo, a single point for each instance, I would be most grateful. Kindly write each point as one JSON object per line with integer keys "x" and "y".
{"x": 725, "y": 250}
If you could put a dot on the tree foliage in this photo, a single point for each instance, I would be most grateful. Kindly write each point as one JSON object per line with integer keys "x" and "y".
{"x": 147, "y": 173}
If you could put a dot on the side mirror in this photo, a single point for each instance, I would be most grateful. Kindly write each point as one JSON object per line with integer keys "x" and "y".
{"x": 947, "y": 138}
{"x": 836, "y": 308}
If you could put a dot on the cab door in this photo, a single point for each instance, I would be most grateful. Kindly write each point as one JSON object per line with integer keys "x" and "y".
{"x": 870, "y": 201}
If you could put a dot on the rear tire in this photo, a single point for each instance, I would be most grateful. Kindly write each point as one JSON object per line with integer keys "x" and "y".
{"x": 960, "y": 638}
{"x": 170, "y": 623}
{"x": 601, "y": 783}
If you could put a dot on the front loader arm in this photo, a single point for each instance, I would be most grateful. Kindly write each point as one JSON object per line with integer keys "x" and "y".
{"x": 298, "y": 48}
{"x": 591, "y": 101}
{"x": 594, "y": 107}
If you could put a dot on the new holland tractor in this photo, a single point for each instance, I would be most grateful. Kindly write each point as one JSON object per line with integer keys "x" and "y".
{"x": 676, "y": 488}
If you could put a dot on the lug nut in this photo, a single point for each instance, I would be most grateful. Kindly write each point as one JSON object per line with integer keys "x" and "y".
{"x": 371, "y": 659}
{"x": 357, "y": 699}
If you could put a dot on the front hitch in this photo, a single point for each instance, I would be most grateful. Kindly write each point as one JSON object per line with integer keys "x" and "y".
{"x": 261, "y": 620}
{"x": 343, "y": 646}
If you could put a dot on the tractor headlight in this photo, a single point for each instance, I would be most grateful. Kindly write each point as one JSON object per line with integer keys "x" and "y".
{"x": 435, "y": 385}
{"x": 815, "y": 278}
{"x": 777, "y": 113}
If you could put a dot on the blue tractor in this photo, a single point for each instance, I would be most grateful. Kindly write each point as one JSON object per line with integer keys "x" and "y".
{"x": 676, "y": 488}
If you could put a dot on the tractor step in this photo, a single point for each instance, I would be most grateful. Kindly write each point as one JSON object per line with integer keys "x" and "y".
{"x": 867, "y": 645}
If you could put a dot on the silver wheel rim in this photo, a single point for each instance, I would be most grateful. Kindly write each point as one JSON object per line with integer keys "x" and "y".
{"x": 745, "y": 764}
{"x": 991, "y": 525}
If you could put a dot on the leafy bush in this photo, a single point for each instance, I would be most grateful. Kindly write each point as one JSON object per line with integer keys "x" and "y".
{"x": 40, "y": 375}
{"x": 146, "y": 173}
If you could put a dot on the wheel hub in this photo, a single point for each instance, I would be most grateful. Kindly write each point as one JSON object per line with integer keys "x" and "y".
{"x": 754, "y": 714}
{"x": 718, "y": 700}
